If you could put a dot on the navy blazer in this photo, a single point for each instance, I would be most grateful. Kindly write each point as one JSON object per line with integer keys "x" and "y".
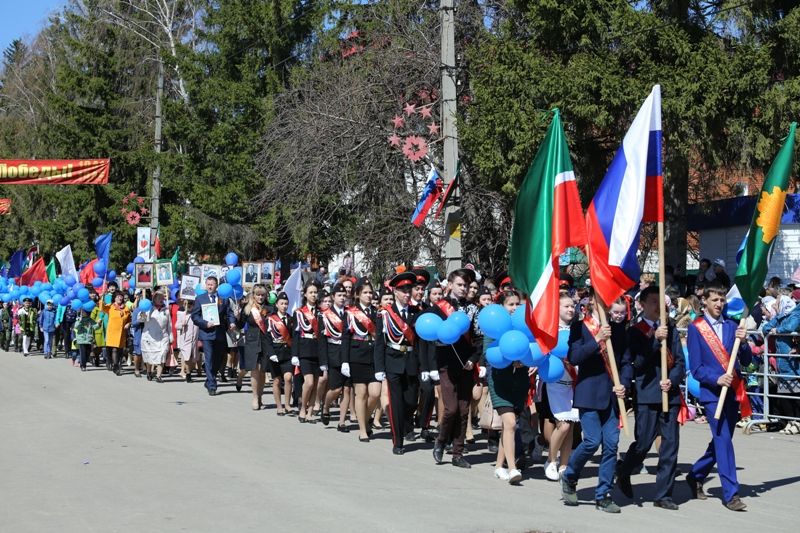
{"x": 704, "y": 365}
{"x": 642, "y": 361}
{"x": 594, "y": 388}
{"x": 226, "y": 317}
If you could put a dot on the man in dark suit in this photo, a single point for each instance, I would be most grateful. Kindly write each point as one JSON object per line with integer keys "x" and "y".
{"x": 710, "y": 341}
{"x": 642, "y": 362}
{"x": 453, "y": 366}
{"x": 397, "y": 360}
{"x": 212, "y": 335}
{"x": 596, "y": 400}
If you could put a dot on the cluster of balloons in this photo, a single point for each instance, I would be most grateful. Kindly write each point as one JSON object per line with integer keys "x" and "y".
{"x": 431, "y": 327}
{"x": 515, "y": 342}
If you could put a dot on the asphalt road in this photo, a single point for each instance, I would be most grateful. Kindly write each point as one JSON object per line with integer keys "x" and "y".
{"x": 96, "y": 452}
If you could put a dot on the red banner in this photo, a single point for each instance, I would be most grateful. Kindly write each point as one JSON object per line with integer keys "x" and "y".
{"x": 55, "y": 172}
{"x": 5, "y": 206}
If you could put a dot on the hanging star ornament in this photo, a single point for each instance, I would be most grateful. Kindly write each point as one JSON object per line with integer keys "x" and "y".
{"x": 415, "y": 148}
{"x": 398, "y": 121}
{"x": 433, "y": 129}
{"x": 395, "y": 140}
{"x": 409, "y": 109}
{"x": 425, "y": 112}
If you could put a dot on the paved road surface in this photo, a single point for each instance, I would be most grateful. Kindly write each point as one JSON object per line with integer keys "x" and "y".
{"x": 95, "y": 452}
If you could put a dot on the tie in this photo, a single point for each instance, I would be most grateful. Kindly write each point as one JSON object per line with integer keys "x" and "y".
{"x": 403, "y": 314}
{"x": 213, "y": 298}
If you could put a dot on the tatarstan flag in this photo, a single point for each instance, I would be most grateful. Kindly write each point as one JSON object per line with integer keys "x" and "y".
{"x": 548, "y": 219}
{"x": 766, "y": 223}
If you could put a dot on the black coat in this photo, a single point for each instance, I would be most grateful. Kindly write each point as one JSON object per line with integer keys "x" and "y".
{"x": 389, "y": 360}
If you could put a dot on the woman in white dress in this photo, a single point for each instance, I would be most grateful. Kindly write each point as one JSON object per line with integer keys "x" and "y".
{"x": 156, "y": 336}
{"x": 560, "y": 395}
{"x": 187, "y": 340}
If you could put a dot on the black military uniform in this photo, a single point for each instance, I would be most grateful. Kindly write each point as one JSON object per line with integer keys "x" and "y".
{"x": 279, "y": 329}
{"x": 358, "y": 340}
{"x": 397, "y": 358}
{"x": 642, "y": 363}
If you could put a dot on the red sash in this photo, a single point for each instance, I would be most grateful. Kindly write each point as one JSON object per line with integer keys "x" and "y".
{"x": 259, "y": 319}
{"x": 594, "y": 328}
{"x": 311, "y": 318}
{"x": 334, "y": 320}
{"x": 281, "y": 327}
{"x": 408, "y": 333}
{"x": 446, "y": 307}
{"x": 362, "y": 319}
{"x": 648, "y": 331}
{"x": 723, "y": 358}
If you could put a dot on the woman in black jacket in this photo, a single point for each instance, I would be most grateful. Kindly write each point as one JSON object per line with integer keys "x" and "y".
{"x": 257, "y": 346}
{"x": 280, "y": 326}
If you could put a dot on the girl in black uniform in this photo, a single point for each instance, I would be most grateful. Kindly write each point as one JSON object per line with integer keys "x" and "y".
{"x": 358, "y": 341}
{"x": 280, "y": 326}
{"x": 304, "y": 347}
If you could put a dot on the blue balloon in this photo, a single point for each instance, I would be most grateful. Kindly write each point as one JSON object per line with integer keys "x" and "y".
{"x": 5, "y": 297}
{"x": 537, "y": 357}
{"x": 496, "y": 359}
{"x": 448, "y": 333}
{"x": 145, "y": 305}
{"x": 76, "y": 304}
{"x": 513, "y": 345}
{"x": 461, "y": 320}
{"x": 35, "y": 290}
{"x": 231, "y": 259}
{"x": 518, "y": 319}
{"x": 552, "y": 370}
{"x": 494, "y": 320}
{"x": 70, "y": 280}
{"x": 100, "y": 268}
{"x": 47, "y": 287}
{"x": 225, "y": 290}
{"x": 234, "y": 276}
{"x": 427, "y": 326}
{"x": 111, "y": 275}
{"x": 138, "y": 260}
{"x": 44, "y": 296}
{"x": 562, "y": 347}
{"x": 238, "y": 291}
{"x": 83, "y": 294}
{"x": 97, "y": 283}
{"x": 129, "y": 269}
{"x": 131, "y": 283}
{"x": 88, "y": 306}
{"x": 199, "y": 289}
{"x": 693, "y": 385}
{"x": 37, "y": 284}
{"x": 64, "y": 301}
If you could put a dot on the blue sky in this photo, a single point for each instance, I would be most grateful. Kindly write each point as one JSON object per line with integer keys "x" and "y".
{"x": 24, "y": 18}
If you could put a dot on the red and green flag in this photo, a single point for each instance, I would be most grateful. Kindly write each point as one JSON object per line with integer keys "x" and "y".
{"x": 548, "y": 219}
{"x": 766, "y": 223}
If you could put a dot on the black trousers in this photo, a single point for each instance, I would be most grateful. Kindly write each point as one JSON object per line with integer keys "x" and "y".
{"x": 428, "y": 396}
{"x": 403, "y": 394}
{"x": 651, "y": 421}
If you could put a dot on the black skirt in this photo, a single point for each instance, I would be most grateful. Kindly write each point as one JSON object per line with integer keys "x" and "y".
{"x": 362, "y": 373}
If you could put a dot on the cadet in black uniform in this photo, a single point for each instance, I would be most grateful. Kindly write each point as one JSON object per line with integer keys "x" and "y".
{"x": 305, "y": 348}
{"x": 397, "y": 360}
{"x": 279, "y": 328}
{"x": 331, "y": 356}
{"x": 642, "y": 362}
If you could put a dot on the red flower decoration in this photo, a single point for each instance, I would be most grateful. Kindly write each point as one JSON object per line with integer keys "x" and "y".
{"x": 395, "y": 140}
{"x": 140, "y": 200}
{"x": 398, "y": 121}
{"x": 415, "y": 148}
{"x": 133, "y": 218}
{"x": 125, "y": 200}
{"x": 131, "y": 195}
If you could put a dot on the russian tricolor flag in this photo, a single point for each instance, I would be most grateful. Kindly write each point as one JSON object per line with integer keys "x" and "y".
{"x": 431, "y": 193}
{"x": 631, "y": 193}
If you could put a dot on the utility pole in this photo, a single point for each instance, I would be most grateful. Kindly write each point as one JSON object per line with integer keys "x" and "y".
{"x": 155, "y": 194}
{"x": 452, "y": 213}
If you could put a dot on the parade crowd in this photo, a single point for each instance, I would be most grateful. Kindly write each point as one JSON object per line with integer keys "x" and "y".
{"x": 348, "y": 354}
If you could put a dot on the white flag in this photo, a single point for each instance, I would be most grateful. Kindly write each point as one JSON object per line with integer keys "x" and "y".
{"x": 67, "y": 262}
{"x": 143, "y": 243}
{"x": 294, "y": 289}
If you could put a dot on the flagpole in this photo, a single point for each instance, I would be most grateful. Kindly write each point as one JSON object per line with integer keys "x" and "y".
{"x": 662, "y": 313}
{"x": 734, "y": 352}
{"x": 612, "y": 363}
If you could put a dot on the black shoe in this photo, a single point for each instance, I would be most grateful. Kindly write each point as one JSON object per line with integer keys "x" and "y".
{"x": 369, "y": 433}
{"x": 410, "y": 436}
{"x": 326, "y": 418}
{"x": 232, "y": 373}
{"x": 238, "y": 387}
{"x": 397, "y": 450}
{"x": 667, "y": 504}
{"x": 212, "y": 392}
{"x": 695, "y": 488}
{"x": 427, "y": 435}
{"x": 341, "y": 428}
{"x": 149, "y": 376}
{"x": 189, "y": 377}
{"x": 460, "y": 462}
{"x": 492, "y": 446}
{"x": 569, "y": 492}
{"x": 624, "y": 484}
{"x": 118, "y": 371}
{"x": 607, "y": 505}
{"x": 438, "y": 453}
{"x": 159, "y": 380}
{"x": 736, "y": 504}
{"x": 223, "y": 377}
{"x": 363, "y": 439}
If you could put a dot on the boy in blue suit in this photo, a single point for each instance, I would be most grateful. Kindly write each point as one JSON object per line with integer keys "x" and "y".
{"x": 212, "y": 335}
{"x": 710, "y": 341}
{"x": 596, "y": 400}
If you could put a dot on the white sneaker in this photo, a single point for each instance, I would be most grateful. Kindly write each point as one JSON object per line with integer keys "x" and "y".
{"x": 551, "y": 471}
{"x": 514, "y": 476}
{"x": 501, "y": 473}
{"x": 561, "y": 470}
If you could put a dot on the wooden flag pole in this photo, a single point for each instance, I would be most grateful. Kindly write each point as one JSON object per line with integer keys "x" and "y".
{"x": 662, "y": 316}
{"x": 734, "y": 353}
{"x": 612, "y": 363}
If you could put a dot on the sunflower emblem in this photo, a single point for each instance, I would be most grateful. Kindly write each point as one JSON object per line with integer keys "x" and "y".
{"x": 770, "y": 209}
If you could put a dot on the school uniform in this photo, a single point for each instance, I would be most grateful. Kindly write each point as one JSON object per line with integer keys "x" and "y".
{"x": 331, "y": 351}
{"x": 710, "y": 343}
{"x": 279, "y": 330}
{"x": 358, "y": 341}
{"x": 305, "y": 340}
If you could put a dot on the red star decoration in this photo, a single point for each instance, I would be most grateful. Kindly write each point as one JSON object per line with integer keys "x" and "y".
{"x": 415, "y": 148}
{"x": 424, "y": 94}
{"x": 425, "y": 112}
{"x": 395, "y": 140}
{"x": 409, "y": 109}
{"x": 133, "y": 218}
{"x": 398, "y": 121}
{"x": 433, "y": 129}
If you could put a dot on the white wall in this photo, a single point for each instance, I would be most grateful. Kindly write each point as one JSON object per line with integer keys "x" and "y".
{"x": 725, "y": 243}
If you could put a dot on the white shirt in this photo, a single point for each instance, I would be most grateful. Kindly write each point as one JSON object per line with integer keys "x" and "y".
{"x": 716, "y": 324}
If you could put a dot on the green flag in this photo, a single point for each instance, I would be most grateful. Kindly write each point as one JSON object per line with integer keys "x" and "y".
{"x": 51, "y": 270}
{"x": 766, "y": 223}
{"x": 174, "y": 261}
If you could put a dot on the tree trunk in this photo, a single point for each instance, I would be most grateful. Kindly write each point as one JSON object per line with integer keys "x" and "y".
{"x": 676, "y": 200}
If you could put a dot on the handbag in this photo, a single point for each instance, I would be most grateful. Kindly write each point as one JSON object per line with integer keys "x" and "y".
{"x": 490, "y": 419}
